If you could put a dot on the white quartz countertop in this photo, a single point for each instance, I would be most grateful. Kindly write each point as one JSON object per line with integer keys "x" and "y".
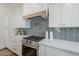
{"x": 62, "y": 44}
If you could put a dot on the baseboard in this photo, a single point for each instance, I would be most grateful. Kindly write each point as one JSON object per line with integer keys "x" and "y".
{"x": 2, "y": 47}
{"x": 11, "y": 51}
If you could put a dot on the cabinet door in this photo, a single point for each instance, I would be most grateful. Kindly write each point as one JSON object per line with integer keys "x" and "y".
{"x": 15, "y": 45}
{"x": 19, "y": 22}
{"x": 55, "y": 15}
{"x": 58, "y": 52}
{"x": 70, "y": 15}
{"x": 41, "y": 50}
{"x": 17, "y": 48}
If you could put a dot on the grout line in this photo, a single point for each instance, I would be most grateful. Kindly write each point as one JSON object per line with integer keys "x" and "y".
{"x": 67, "y": 33}
{"x": 73, "y": 34}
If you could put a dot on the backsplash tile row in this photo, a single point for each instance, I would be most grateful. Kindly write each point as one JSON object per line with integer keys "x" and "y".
{"x": 70, "y": 34}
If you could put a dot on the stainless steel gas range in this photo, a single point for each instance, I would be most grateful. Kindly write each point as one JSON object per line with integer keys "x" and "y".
{"x": 30, "y": 45}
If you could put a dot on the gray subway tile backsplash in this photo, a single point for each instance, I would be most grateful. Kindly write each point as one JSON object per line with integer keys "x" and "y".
{"x": 39, "y": 26}
{"x": 70, "y": 34}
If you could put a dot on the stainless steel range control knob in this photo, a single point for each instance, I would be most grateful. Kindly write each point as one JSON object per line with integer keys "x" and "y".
{"x": 30, "y": 42}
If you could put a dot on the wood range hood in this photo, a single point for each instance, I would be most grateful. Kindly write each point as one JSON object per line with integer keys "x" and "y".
{"x": 41, "y": 13}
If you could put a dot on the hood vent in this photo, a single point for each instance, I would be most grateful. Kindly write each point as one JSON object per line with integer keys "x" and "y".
{"x": 41, "y": 13}
{"x": 37, "y": 17}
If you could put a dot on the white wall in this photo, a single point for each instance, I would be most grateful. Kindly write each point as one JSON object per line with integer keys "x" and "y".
{"x": 3, "y": 25}
{"x": 14, "y": 20}
{"x": 6, "y": 23}
{"x": 10, "y": 18}
{"x": 10, "y": 32}
{"x": 19, "y": 22}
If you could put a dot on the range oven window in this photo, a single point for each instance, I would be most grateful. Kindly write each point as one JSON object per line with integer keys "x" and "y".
{"x": 27, "y": 51}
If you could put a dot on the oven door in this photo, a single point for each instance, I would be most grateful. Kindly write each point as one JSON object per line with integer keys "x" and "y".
{"x": 28, "y": 51}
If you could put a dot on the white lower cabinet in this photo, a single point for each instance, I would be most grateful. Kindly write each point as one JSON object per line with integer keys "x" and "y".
{"x": 15, "y": 45}
{"x": 51, "y": 51}
{"x": 41, "y": 50}
{"x": 58, "y": 52}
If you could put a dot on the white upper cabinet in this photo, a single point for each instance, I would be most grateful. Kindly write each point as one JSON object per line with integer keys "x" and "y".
{"x": 55, "y": 15}
{"x": 30, "y": 8}
{"x": 70, "y": 15}
{"x": 64, "y": 15}
{"x": 19, "y": 22}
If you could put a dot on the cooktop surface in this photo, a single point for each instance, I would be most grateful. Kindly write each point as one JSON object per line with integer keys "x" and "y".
{"x": 34, "y": 38}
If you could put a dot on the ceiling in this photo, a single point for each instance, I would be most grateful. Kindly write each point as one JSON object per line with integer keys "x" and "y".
{"x": 11, "y": 4}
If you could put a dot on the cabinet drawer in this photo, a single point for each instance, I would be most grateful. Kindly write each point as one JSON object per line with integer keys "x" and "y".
{"x": 16, "y": 48}
{"x": 17, "y": 51}
{"x": 15, "y": 41}
{"x": 58, "y": 52}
